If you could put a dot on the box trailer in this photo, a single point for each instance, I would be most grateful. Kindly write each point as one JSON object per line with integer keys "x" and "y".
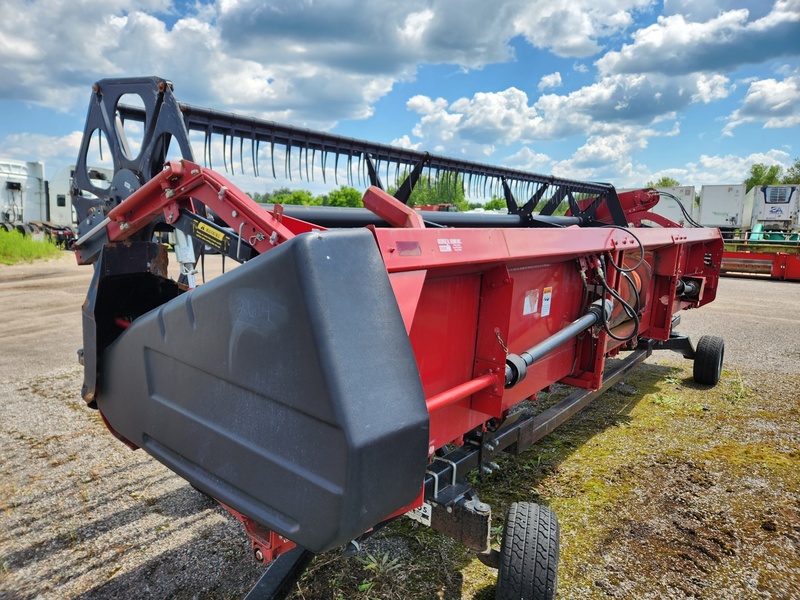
{"x": 725, "y": 206}
{"x": 775, "y": 207}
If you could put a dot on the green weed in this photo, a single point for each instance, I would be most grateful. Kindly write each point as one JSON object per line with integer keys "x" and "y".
{"x": 16, "y": 248}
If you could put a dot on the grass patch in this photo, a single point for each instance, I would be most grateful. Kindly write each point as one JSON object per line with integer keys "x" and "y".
{"x": 16, "y": 248}
{"x": 660, "y": 484}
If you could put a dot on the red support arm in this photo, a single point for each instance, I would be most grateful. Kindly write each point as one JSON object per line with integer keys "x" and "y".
{"x": 174, "y": 189}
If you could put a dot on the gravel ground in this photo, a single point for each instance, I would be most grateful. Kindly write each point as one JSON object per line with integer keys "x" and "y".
{"x": 83, "y": 517}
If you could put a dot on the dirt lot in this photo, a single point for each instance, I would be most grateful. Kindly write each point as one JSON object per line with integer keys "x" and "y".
{"x": 664, "y": 489}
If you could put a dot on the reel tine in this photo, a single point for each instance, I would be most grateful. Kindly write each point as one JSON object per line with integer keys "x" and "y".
{"x": 232, "y": 136}
{"x": 336, "y": 168}
{"x": 272, "y": 154}
{"x": 225, "y": 151}
{"x": 287, "y": 159}
{"x": 323, "y": 160}
{"x": 300, "y": 162}
{"x": 207, "y": 153}
{"x": 254, "y": 152}
{"x": 241, "y": 153}
{"x": 313, "y": 156}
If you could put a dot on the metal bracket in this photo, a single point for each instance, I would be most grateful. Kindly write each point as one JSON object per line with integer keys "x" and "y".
{"x": 277, "y": 580}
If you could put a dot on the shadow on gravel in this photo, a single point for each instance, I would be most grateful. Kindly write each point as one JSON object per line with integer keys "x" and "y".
{"x": 180, "y": 503}
{"x": 207, "y": 567}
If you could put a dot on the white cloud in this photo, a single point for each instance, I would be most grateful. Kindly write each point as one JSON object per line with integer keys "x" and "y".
{"x": 675, "y": 45}
{"x": 37, "y": 147}
{"x": 704, "y": 10}
{"x": 774, "y": 103}
{"x": 711, "y": 87}
{"x": 405, "y": 142}
{"x": 575, "y": 28}
{"x": 730, "y": 168}
{"x": 308, "y": 62}
{"x": 550, "y": 81}
{"x": 528, "y": 160}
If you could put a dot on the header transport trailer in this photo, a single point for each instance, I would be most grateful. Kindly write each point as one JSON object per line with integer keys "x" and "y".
{"x": 361, "y": 362}
{"x": 760, "y": 228}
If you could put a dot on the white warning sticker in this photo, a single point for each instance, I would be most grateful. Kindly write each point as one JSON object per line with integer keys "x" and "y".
{"x": 531, "y": 304}
{"x": 547, "y": 296}
{"x": 449, "y": 244}
{"x": 421, "y": 514}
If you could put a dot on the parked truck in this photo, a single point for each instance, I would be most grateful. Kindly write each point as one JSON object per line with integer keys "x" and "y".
{"x": 33, "y": 205}
{"x": 60, "y": 206}
{"x": 23, "y": 195}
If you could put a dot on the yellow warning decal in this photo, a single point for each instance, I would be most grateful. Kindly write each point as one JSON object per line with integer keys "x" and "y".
{"x": 211, "y": 236}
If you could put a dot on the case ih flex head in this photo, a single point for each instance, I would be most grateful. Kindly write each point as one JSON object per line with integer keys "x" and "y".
{"x": 362, "y": 361}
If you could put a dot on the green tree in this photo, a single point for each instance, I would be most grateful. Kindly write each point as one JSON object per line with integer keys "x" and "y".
{"x": 663, "y": 182}
{"x": 344, "y": 196}
{"x": 446, "y": 189}
{"x": 761, "y": 174}
{"x": 793, "y": 173}
{"x": 286, "y": 196}
{"x": 495, "y": 204}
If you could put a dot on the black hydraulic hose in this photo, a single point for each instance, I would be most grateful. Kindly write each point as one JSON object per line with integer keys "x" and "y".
{"x": 626, "y": 307}
{"x": 686, "y": 214}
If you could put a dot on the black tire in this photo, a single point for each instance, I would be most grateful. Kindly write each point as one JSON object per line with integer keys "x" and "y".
{"x": 708, "y": 360}
{"x": 528, "y": 554}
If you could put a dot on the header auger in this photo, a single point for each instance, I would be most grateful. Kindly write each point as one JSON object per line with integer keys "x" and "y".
{"x": 360, "y": 362}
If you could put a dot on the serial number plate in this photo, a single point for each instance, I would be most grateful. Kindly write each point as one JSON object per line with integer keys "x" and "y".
{"x": 421, "y": 514}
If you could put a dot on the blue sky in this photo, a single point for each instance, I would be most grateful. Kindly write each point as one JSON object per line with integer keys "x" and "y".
{"x": 623, "y": 91}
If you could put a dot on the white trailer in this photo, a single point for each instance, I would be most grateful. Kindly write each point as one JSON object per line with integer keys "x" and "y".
{"x": 23, "y": 193}
{"x": 725, "y": 206}
{"x": 61, "y": 209}
{"x": 669, "y": 208}
{"x": 775, "y": 207}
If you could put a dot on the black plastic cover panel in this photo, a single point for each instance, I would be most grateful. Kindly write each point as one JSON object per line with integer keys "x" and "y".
{"x": 286, "y": 388}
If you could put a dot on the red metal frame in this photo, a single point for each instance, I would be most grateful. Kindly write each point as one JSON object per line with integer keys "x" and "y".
{"x": 469, "y": 297}
{"x": 778, "y": 265}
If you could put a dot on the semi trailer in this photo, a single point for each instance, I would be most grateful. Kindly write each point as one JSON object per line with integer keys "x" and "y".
{"x": 36, "y": 206}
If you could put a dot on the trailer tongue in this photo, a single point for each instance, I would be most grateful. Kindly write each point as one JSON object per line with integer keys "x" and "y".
{"x": 362, "y": 361}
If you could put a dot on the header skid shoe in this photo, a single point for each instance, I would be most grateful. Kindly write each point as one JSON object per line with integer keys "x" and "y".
{"x": 296, "y": 406}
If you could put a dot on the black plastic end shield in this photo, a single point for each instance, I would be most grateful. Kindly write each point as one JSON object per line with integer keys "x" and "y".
{"x": 286, "y": 388}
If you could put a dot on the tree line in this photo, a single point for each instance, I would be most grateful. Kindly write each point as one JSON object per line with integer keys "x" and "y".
{"x": 436, "y": 191}
{"x": 428, "y": 191}
{"x": 760, "y": 174}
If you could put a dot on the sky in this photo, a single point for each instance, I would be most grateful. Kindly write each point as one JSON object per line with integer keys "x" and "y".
{"x": 619, "y": 91}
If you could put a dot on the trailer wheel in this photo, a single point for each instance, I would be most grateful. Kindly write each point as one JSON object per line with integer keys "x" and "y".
{"x": 528, "y": 554}
{"x": 708, "y": 360}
